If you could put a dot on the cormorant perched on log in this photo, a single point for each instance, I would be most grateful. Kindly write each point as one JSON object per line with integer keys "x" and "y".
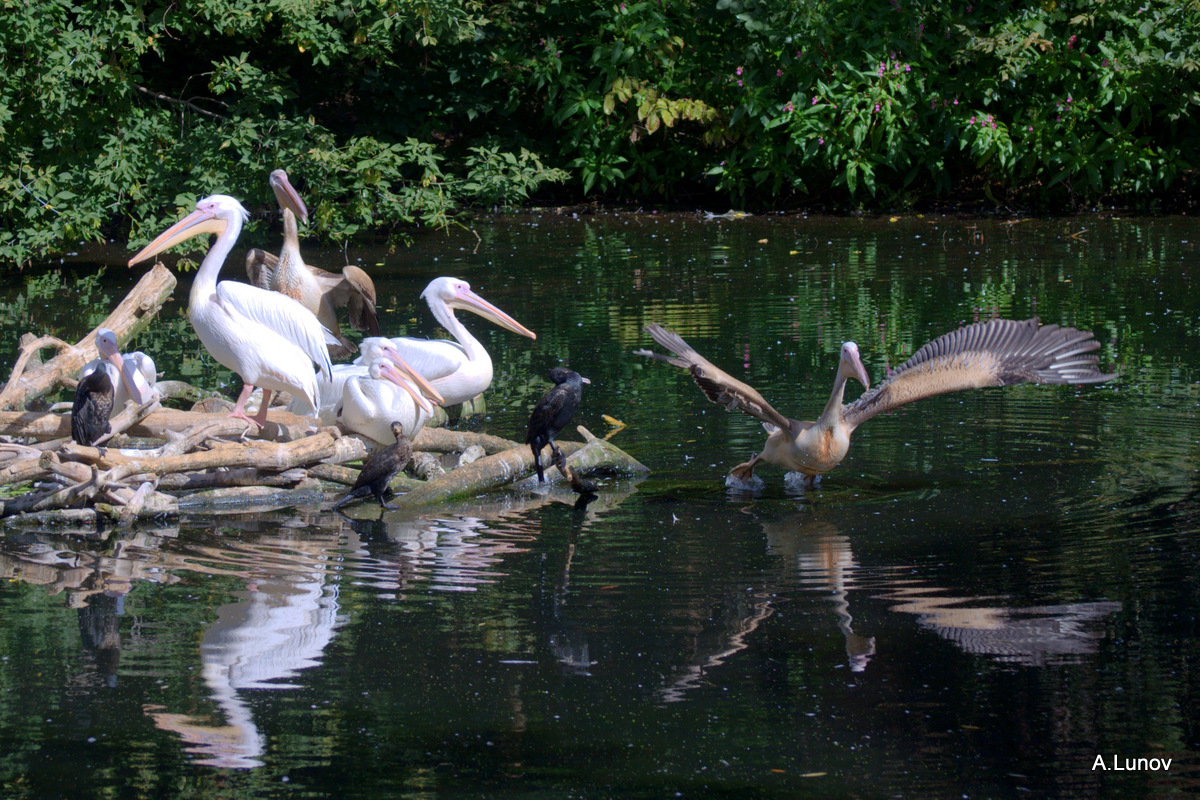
{"x": 553, "y": 412}
{"x": 92, "y": 406}
{"x": 379, "y": 469}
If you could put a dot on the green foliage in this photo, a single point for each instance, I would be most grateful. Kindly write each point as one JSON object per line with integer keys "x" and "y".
{"x": 115, "y": 117}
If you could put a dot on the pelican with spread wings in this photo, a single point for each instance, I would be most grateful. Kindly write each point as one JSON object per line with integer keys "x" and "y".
{"x": 998, "y": 352}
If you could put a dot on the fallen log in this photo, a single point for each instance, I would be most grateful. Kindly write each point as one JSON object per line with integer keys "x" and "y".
{"x": 126, "y": 320}
{"x": 442, "y": 440}
{"x": 159, "y": 424}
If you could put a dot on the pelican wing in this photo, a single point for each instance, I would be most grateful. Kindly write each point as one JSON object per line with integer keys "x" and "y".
{"x": 999, "y": 352}
{"x": 283, "y": 315}
{"x": 719, "y": 386}
{"x": 359, "y": 297}
{"x": 260, "y": 266}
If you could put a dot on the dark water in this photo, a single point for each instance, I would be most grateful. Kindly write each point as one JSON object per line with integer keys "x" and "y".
{"x": 992, "y": 591}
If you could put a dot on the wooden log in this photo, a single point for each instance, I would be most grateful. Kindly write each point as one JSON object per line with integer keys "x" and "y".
{"x": 489, "y": 472}
{"x": 126, "y": 320}
{"x": 42, "y": 425}
{"x": 249, "y": 498}
{"x": 441, "y": 440}
{"x": 193, "y": 481}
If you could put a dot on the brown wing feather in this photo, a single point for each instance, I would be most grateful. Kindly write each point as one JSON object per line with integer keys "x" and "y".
{"x": 999, "y": 352}
{"x": 718, "y": 385}
{"x": 259, "y": 267}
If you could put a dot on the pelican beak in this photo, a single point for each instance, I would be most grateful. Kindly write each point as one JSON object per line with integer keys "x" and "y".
{"x": 287, "y": 196}
{"x": 403, "y": 378}
{"x": 468, "y": 300}
{"x": 417, "y": 378}
{"x": 852, "y": 365}
{"x": 194, "y": 224}
{"x": 110, "y": 353}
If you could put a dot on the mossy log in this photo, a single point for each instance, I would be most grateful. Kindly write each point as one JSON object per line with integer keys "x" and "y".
{"x": 503, "y": 468}
{"x": 133, "y": 314}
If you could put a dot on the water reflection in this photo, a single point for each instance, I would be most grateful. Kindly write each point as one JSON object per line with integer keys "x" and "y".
{"x": 1033, "y": 635}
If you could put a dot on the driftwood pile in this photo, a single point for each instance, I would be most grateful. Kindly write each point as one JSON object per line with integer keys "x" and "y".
{"x": 203, "y": 461}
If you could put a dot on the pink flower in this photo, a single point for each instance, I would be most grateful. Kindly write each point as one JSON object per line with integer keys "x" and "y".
{"x": 877, "y": 108}
{"x": 971, "y": 121}
{"x": 778, "y": 73}
{"x": 821, "y": 140}
{"x": 788, "y": 107}
{"x": 739, "y": 82}
{"x": 739, "y": 70}
{"x": 814, "y": 100}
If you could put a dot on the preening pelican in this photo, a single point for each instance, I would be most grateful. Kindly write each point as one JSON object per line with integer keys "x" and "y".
{"x": 132, "y": 374}
{"x": 460, "y": 369}
{"x": 371, "y": 403}
{"x": 553, "y": 412}
{"x": 999, "y": 352}
{"x": 319, "y": 291}
{"x": 268, "y": 339}
{"x": 379, "y": 469}
{"x": 374, "y": 348}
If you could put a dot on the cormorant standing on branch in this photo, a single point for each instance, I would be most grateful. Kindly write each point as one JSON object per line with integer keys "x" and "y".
{"x": 379, "y": 469}
{"x": 92, "y": 406}
{"x": 553, "y": 412}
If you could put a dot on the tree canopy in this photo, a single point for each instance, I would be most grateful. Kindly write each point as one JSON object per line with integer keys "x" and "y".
{"x": 116, "y": 115}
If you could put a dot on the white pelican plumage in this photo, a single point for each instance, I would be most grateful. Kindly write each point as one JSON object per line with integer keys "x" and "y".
{"x": 459, "y": 369}
{"x": 132, "y": 374}
{"x": 373, "y": 349}
{"x": 371, "y": 403}
{"x": 319, "y": 291}
{"x": 268, "y": 339}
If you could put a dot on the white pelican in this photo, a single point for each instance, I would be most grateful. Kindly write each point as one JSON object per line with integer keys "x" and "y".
{"x": 999, "y": 352}
{"x": 132, "y": 374}
{"x": 373, "y": 349}
{"x": 268, "y": 339}
{"x": 319, "y": 291}
{"x": 371, "y": 403}
{"x": 460, "y": 369}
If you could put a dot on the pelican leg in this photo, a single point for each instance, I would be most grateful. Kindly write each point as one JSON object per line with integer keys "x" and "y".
{"x": 260, "y": 419}
{"x": 239, "y": 408}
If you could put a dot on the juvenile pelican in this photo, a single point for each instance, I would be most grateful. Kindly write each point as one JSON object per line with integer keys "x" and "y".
{"x": 319, "y": 291}
{"x": 999, "y": 352}
{"x": 370, "y": 404}
{"x": 553, "y": 412}
{"x": 268, "y": 339}
{"x": 132, "y": 374}
{"x": 461, "y": 369}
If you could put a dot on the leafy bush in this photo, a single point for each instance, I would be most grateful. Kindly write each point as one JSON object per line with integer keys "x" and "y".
{"x": 394, "y": 113}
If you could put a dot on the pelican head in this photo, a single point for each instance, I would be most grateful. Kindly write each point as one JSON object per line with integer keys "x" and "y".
{"x": 382, "y": 369}
{"x": 851, "y": 365}
{"x": 106, "y": 343}
{"x": 456, "y": 293}
{"x": 374, "y": 348}
{"x": 213, "y": 214}
{"x": 287, "y": 196}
